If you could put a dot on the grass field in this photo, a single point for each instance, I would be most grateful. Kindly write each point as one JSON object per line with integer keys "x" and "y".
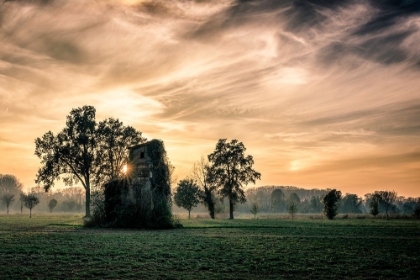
{"x": 57, "y": 246}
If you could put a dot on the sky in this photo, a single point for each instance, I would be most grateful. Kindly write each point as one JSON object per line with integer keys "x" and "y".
{"x": 323, "y": 94}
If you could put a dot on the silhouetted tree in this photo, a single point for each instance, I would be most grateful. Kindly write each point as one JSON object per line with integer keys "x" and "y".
{"x": 293, "y": 207}
{"x": 83, "y": 152}
{"x": 374, "y": 205}
{"x": 52, "y": 204}
{"x": 187, "y": 195}
{"x": 231, "y": 170}
{"x": 30, "y": 202}
{"x": 201, "y": 175}
{"x": 113, "y": 139}
{"x": 277, "y": 200}
{"x": 417, "y": 209}
{"x": 330, "y": 201}
{"x": 386, "y": 199}
{"x": 8, "y": 198}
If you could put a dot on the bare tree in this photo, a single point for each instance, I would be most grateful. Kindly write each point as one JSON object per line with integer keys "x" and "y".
{"x": 255, "y": 209}
{"x": 201, "y": 176}
{"x": 292, "y": 209}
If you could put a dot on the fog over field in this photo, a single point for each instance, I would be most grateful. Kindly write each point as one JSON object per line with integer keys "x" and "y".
{"x": 324, "y": 94}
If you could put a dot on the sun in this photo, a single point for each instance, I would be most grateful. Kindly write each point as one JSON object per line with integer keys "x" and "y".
{"x": 124, "y": 169}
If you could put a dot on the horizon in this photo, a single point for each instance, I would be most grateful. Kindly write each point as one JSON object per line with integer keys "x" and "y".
{"x": 323, "y": 95}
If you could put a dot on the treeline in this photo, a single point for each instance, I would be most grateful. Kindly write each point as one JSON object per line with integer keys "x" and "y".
{"x": 14, "y": 199}
{"x": 69, "y": 199}
{"x": 219, "y": 181}
{"x": 277, "y": 199}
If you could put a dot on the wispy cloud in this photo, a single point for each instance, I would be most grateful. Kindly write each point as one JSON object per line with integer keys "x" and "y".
{"x": 305, "y": 84}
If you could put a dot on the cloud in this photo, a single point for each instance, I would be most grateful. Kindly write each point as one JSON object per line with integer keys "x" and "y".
{"x": 304, "y": 81}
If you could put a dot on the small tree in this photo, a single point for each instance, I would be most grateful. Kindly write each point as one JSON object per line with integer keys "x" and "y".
{"x": 52, "y": 204}
{"x": 22, "y": 199}
{"x": 187, "y": 195}
{"x": 8, "y": 198}
{"x": 255, "y": 209}
{"x": 374, "y": 205}
{"x": 292, "y": 208}
{"x": 30, "y": 202}
{"x": 386, "y": 199}
{"x": 330, "y": 201}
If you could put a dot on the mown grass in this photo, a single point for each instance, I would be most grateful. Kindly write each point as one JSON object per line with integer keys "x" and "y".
{"x": 53, "y": 246}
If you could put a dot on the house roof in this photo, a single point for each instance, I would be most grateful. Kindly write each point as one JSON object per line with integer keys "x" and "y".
{"x": 139, "y": 145}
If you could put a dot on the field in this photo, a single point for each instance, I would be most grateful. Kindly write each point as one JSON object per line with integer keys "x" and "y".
{"x": 57, "y": 246}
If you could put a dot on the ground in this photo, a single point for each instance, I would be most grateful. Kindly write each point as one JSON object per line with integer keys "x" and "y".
{"x": 57, "y": 246}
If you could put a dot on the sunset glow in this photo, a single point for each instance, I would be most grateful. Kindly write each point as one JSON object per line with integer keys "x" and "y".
{"x": 322, "y": 95}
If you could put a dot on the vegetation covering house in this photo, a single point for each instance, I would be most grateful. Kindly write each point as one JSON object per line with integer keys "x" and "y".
{"x": 143, "y": 198}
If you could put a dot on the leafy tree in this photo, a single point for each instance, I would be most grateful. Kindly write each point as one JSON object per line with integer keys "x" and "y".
{"x": 386, "y": 199}
{"x": 83, "y": 152}
{"x": 52, "y": 204}
{"x": 8, "y": 198}
{"x": 374, "y": 205}
{"x": 10, "y": 184}
{"x": 30, "y": 202}
{"x": 330, "y": 201}
{"x": 113, "y": 139}
{"x": 187, "y": 195}
{"x": 351, "y": 204}
{"x": 277, "y": 200}
{"x": 231, "y": 170}
{"x": 255, "y": 209}
{"x": 293, "y": 207}
{"x": 201, "y": 175}
{"x": 293, "y": 198}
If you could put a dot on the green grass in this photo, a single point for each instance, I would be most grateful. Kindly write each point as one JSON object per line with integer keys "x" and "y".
{"x": 54, "y": 246}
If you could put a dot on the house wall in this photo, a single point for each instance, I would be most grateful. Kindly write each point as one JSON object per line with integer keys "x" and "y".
{"x": 141, "y": 163}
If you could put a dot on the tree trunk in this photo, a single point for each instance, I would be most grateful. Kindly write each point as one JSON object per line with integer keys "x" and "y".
{"x": 7, "y": 209}
{"x": 87, "y": 202}
{"x": 211, "y": 210}
{"x": 230, "y": 209}
{"x": 30, "y": 212}
{"x": 189, "y": 212}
